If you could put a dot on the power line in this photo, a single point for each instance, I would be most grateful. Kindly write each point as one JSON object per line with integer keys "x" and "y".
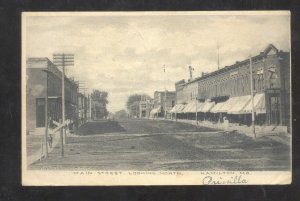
{"x": 63, "y": 60}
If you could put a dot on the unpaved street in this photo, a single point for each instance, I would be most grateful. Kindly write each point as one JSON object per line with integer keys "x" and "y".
{"x": 164, "y": 145}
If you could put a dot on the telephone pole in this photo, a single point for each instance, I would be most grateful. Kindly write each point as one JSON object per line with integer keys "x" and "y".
{"x": 218, "y": 55}
{"x": 252, "y": 98}
{"x": 46, "y": 114}
{"x": 196, "y": 114}
{"x": 165, "y": 116}
{"x": 63, "y": 60}
{"x": 90, "y": 107}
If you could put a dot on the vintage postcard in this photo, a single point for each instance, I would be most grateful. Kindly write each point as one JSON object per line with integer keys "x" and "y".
{"x": 156, "y": 98}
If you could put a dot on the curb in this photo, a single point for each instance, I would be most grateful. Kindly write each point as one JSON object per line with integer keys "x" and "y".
{"x": 273, "y": 136}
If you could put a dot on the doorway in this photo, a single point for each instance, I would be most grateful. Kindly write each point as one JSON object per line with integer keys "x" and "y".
{"x": 40, "y": 112}
{"x": 275, "y": 111}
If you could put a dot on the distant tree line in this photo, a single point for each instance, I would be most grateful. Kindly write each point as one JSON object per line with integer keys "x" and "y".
{"x": 121, "y": 114}
{"x": 99, "y": 103}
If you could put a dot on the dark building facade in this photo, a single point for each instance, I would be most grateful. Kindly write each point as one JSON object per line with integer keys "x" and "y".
{"x": 83, "y": 108}
{"x": 44, "y": 77}
{"x": 230, "y": 87}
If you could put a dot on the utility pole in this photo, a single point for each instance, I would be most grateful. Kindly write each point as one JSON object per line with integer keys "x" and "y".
{"x": 63, "y": 60}
{"x": 196, "y": 111}
{"x": 165, "y": 116}
{"x": 140, "y": 106}
{"x": 252, "y": 98}
{"x": 218, "y": 55}
{"x": 83, "y": 107}
{"x": 90, "y": 107}
{"x": 61, "y": 139}
{"x": 47, "y": 119}
{"x": 191, "y": 69}
{"x": 46, "y": 115}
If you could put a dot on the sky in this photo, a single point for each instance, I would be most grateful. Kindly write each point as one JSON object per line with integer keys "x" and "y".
{"x": 124, "y": 54}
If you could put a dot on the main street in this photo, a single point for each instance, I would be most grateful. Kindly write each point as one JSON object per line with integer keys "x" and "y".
{"x": 141, "y": 144}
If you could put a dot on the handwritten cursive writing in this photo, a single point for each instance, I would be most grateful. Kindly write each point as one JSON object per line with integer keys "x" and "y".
{"x": 209, "y": 180}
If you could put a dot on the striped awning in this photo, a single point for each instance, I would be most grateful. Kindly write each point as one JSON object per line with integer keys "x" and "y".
{"x": 155, "y": 110}
{"x": 173, "y": 110}
{"x": 259, "y": 105}
{"x": 239, "y": 104}
{"x": 189, "y": 107}
{"x": 199, "y": 105}
{"x": 217, "y": 107}
{"x": 207, "y": 106}
{"x": 178, "y": 108}
{"x": 228, "y": 104}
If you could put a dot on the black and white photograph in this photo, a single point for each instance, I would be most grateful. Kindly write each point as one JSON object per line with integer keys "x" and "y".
{"x": 156, "y": 98}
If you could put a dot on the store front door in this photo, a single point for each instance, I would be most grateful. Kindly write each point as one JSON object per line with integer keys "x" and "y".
{"x": 274, "y": 110}
{"x": 40, "y": 112}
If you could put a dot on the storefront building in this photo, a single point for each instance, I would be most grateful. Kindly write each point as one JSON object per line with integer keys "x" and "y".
{"x": 83, "y": 108}
{"x": 44, "y": 77}
{"x": 227, "y": 91}
{"x": 163, "y": 102}
{"x": 145, "y": 107}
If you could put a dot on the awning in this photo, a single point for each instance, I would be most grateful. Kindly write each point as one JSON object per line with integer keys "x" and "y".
{"x": 53, "y": 97}
{"x": 207, "y": 106}
{"x": 180, "y": 108}
{"x": 174, "y": 109}
{"x": 192, "y": 107}
{"x": 188, "y": 108}
{"x": 239, "y": 104}
{"x": 217, "y": 107}
{"x": 177, "y": 108}
{"x": 259, "y": 105}
{"x": 228, "y": 104}
{"x": 200, "y": 105}
{"x": 155, "y": 110}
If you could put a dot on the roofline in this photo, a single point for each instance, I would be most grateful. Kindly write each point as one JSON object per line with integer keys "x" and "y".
{"x": 68, "y": 79}
{"x": 164, "y": 91}
{"x": 238, "y": 63}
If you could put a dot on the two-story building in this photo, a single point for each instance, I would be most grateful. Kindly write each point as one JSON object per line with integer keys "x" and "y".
{"x": 163, "y": 102}
{"x": 145, "y": 107}
{"x": 227, "y": 91}
{"x": 83, "y": 108}
{"x": 44, "y": 78}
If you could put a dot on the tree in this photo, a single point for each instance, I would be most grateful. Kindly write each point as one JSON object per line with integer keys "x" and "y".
{"x": 99, "y": 99}
{"x": 133, "y": 103}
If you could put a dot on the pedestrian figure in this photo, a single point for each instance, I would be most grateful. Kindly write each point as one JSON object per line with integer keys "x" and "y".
{"x": 50, "y": 140}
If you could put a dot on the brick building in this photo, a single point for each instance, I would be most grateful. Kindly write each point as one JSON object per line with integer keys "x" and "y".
{"x": 145, "y": 107}
{"x": 83, "y": 108}
{"x": 38, "y": 81}
{"x": 227, "y": 91}
{"x": 163, "y": 101}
